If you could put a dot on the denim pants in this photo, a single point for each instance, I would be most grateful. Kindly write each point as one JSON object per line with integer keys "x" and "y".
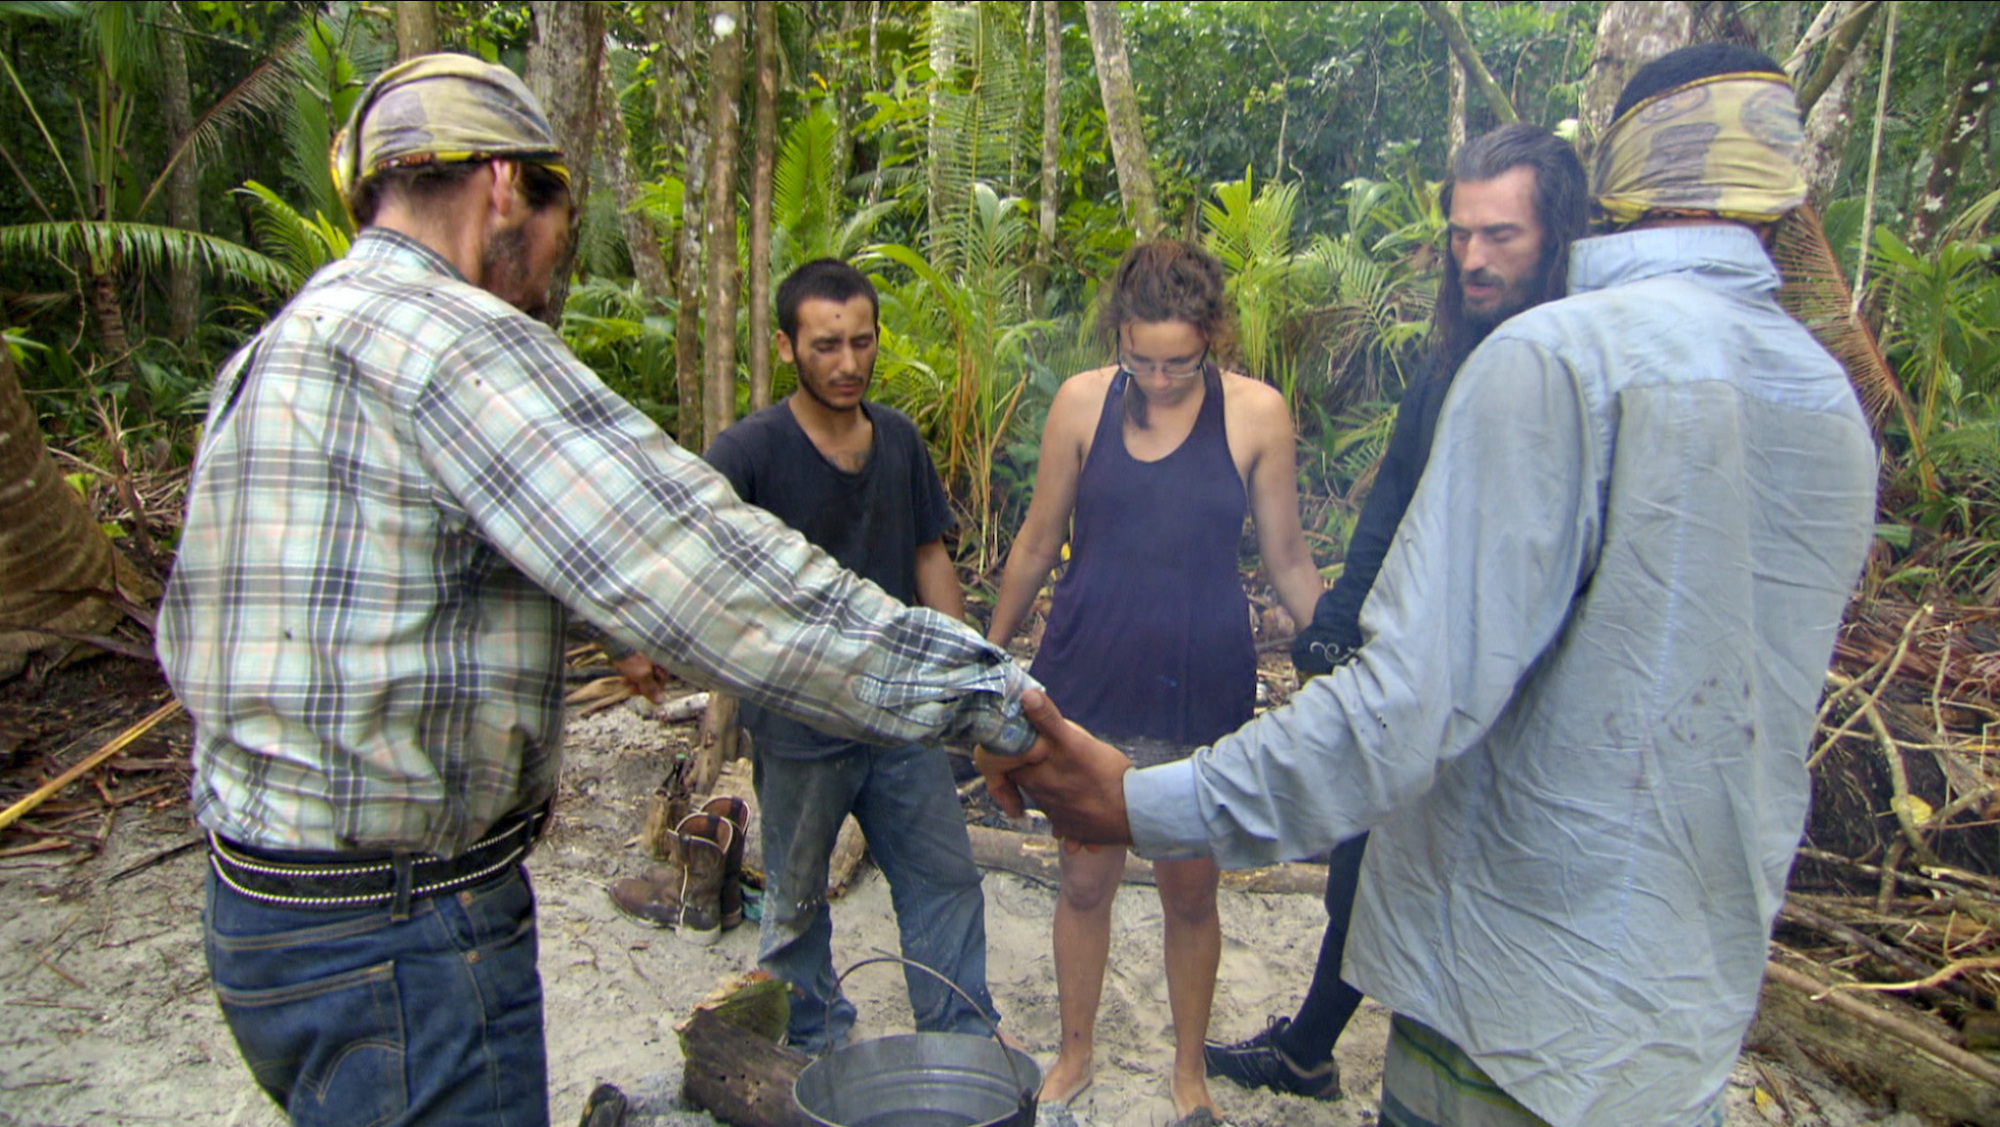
{"x": 908, "y": 809}
{"x": 355, "y": 1018}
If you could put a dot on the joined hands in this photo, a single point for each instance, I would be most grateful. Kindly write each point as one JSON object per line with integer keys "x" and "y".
{"x": 1076, "y": 778}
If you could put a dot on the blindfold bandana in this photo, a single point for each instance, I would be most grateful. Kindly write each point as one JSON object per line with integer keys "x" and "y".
{"x": 1726, "y": 146}
{"x": 442, "y": 108}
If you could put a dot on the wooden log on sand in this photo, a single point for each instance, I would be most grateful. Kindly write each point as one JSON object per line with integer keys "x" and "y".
{"x": 1038, "y": 858}
{"x": 1880, "y": 1046}
{"x": 738, "y": 1076}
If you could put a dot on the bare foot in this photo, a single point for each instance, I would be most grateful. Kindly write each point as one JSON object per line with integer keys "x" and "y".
{"x": 1191, "y": 1092}
{"x": 1066, "y": 1078}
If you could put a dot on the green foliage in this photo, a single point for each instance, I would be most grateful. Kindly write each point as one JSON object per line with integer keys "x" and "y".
{"x": 140, "y": 246}
{"x": 627, "y": 340}
{"x": 957, "y": 363}
{"x": 806, "y": 220}
{"x": 1252, "y": 236}
{"x": 300, "y": 245}
{"x": 1943, "y": 314}
{"x": 330, "y": 65}
{"x": 1319, "y": 94}
{"x": 977, "y": 113}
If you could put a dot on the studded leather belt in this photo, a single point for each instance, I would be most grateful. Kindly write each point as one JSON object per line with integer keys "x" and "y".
{"x": 359, "y": 880}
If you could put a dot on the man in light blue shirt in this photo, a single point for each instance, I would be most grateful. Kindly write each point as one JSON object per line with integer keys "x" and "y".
{"x": 1578, "y": 725}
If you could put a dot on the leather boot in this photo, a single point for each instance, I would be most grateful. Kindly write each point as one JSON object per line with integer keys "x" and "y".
{"x": 705, "y": 842}
{"x": 736, "y": 812}
{"x": 686, "y": 897}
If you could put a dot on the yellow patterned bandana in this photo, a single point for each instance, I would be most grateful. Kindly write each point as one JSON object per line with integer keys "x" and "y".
{"x": 440, "y": 108}
{"x": 1726, "y": 146}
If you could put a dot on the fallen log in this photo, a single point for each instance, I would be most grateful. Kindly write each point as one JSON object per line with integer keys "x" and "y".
{"x": 1880, "y": 1046}
{"x": 739, "y": 1077}
{"x": 1039, "y": 859}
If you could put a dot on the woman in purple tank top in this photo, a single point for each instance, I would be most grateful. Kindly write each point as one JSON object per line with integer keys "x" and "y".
{"x": 1158, "y": 459}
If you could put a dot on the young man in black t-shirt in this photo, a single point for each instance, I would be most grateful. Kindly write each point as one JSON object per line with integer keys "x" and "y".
{"x": 856, "y": 479}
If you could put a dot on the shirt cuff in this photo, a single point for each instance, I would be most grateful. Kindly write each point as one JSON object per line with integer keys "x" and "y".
{"x": 1001, "y": 728}
{"x": 1164, "y": 810}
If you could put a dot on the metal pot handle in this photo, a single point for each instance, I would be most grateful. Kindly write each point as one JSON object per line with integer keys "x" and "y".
{"x": 881, "y": 956}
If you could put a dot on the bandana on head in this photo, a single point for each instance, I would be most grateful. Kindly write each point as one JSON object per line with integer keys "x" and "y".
{"x": 1725, "y": 146}
{"x": 441, "y": 108}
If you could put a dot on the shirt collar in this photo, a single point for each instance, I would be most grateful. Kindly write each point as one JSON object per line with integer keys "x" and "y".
{"x": 1729, "y": 255}
{"x": 391, "y": 247}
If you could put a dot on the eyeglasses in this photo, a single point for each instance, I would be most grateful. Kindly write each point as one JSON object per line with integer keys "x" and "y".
{"x": 1171, "y": 369}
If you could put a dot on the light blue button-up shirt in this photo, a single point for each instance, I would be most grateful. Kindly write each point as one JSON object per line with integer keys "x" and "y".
{"x": 1579, "y": 725}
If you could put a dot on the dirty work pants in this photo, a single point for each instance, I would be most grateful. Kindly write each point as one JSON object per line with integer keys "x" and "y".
{"x": 908, "y": 809}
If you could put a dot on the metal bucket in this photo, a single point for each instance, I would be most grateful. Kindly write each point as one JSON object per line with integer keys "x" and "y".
{"x": 920, "y": 1079}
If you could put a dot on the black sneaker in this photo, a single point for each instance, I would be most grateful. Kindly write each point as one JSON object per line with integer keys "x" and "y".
{"x": 1260, "y": 1063}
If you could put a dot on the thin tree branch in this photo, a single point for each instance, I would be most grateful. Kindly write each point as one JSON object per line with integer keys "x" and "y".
{"x": 1840, "y": 45}
{"x": 1468, "y": 57}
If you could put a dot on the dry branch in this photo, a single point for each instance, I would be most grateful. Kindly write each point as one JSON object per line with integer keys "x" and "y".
{"x": 1889, "y": 1045}
{"x": 125, "y": 739}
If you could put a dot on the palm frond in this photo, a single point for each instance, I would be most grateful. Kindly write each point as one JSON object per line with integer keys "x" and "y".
{"x": 126, "y": 47}
{"x": 266, "y": 88}
{"x": 1816, "y": 294}
{"x": 54, "y": 10}
{"x": 978, "y": 114}
{"x": 302, "y": 245}
{"x": 143, "y": 246}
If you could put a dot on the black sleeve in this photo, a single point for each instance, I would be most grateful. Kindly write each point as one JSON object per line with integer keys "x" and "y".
{"x": 1336, "y": 626}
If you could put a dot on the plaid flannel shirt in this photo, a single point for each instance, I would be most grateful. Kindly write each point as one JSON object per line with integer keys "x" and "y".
{"x": 402, "y": 484}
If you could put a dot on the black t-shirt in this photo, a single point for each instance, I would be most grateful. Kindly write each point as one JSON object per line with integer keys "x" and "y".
{"x": 871, "y": 521}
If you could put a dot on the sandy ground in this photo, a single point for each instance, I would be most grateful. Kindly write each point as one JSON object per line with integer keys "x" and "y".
{"x": 108, "y": 1018}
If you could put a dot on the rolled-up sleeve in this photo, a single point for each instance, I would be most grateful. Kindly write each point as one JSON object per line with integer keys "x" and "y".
{"x": 1478, "y": 581}
{"x": 590, "y": 500}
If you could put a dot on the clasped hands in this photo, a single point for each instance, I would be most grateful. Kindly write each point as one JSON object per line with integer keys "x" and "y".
{"x": 1077, "y": 779}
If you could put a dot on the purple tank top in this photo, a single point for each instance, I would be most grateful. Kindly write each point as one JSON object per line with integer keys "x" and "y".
{"x": 1149, "y": 635}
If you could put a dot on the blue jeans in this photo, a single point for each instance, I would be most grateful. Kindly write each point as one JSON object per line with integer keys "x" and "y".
{"x": 353, "y": 1017}
{"x": 908, "y": 809}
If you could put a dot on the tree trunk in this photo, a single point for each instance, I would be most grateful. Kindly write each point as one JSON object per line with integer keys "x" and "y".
{"x": 874, "y": 70}
{"x": 50, "y": 544}
{"x": 676, "y": 99}
{"x": 1829, "y": 119}
{"x": 101, "y": 287}
{"x": 1121, "y": 118}
{"x": 1846, "y": 35}
{"x": 416, "y": 28}
{"x": 1630, "y": 34}
{"x": 563, "y": 62}
{"x": 725, "y": 89}
{"x": 764, "y": 146}
{"x": 183, "y": 181}
{"x": 1455, "y": 108}
{"x": 1045, "y": 227}
{"x": 642, "y": 238}
{"x": 1446, "y": 17}
{"x": 1961, "y": 122}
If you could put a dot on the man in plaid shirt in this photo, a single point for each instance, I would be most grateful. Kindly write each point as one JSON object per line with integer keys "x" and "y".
{"x": 405, "y": 482}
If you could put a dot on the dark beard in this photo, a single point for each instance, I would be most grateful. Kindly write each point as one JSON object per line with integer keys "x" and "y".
{"x": 506, "y": 256}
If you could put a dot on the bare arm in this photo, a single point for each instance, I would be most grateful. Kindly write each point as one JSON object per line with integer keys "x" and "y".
{"x": 937, "y": 581}
{"x": 1274, "y": 504}
{"x": 1038, "y": 545}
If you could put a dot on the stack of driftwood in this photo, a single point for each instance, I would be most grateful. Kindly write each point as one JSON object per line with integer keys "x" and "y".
{"x": 1886, "y": 959}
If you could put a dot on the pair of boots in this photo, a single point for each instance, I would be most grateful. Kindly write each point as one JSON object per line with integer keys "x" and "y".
{"x": 699, "y": 891}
